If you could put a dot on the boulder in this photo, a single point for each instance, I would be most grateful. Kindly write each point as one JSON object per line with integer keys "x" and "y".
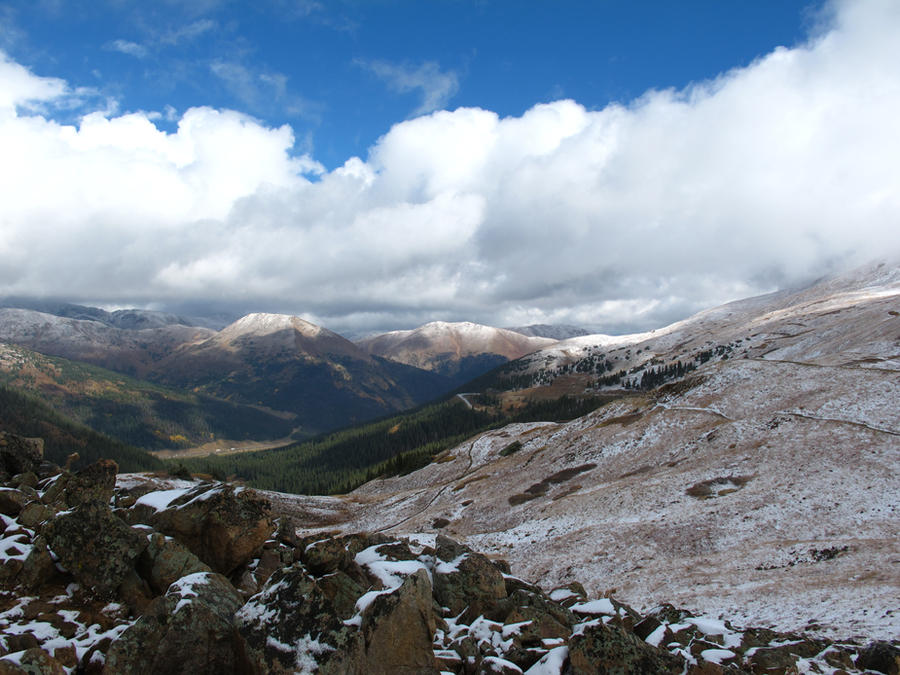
{"x": 33, "y": 661}
{"x": 342, "y": 591}
{"x": 97, "y": 548}
{"x": 599, "y": 648}
{"x": 38, "y": 567}
{"x": 94, "y": 483}
{"x": 164, "y": 561}
{"x": 188, "y": 630}
{"x": 398, "y": 629}
{"x": 468, "y": 582}
{"x": 12, "y": 501}
{"x": 291, "y": 626}
{"x": 19, "y": 454}
{"x": 34, "y": 514}
{"x": 882, "y": 657}
{"x": 222, "y": 525}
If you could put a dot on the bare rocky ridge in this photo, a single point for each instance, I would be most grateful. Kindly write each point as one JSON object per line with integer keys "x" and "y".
{"x": 756, "y": 486}
{"x": 149, "y": 574}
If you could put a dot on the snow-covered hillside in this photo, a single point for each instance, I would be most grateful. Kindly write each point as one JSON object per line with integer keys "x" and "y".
{"x": 462, "y": 349}
{"x": 760, "y": 486}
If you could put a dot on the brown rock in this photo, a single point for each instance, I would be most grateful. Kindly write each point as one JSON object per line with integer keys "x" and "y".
{"x": 38, "y": 567}
{"x": 35, "y": 514}
{"x": 222, "y": 525}
{"x": 882, "y": 657}
{"x": 398, "y": 629}
{"x": 465, "y": 581}
{"x": 34, "y": 661}
{"x": 599, "y": 648}
{"x": 94, "y": 546}
{"x": 12, "y": 501}
{"x": 94, "y": 483}
{"x": 19, "y": 454}
{"x": 164, "y": 561}
{"x": 188, "y": 630}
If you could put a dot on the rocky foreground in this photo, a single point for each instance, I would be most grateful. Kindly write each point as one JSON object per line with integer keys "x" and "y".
{"x": 162, "y": 575}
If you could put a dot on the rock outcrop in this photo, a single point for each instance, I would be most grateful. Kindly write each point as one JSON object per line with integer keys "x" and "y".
{"x": 161, "y": 575}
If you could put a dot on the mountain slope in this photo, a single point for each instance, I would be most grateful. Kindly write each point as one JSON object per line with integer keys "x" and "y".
{"x": 133, "y": 411}
{"x": 26, "y": 415}
{"x": 458, "y": 350}
{"x": 288, "y": 364}
{"x": 556, "y": 332}
{"x": 757, "y": 485}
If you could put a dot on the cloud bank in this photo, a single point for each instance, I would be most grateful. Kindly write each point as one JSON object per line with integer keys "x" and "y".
{"x": 621, "y": 218}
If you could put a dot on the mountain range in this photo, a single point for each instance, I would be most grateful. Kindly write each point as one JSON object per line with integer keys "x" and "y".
{"x": 262, "y": 366}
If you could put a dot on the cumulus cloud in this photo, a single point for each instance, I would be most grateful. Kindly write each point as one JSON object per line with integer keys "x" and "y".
{"x": 621, "y": 218}
{"x": 436, "y": 86}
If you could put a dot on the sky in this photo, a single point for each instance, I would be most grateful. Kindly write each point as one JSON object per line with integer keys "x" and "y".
{"x": 376, "y": 165}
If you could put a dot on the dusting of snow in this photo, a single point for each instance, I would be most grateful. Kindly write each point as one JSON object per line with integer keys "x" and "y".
{"x": 160, "y": 500}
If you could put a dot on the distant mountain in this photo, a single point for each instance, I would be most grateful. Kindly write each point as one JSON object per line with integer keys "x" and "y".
{"x": 556, "y": 332}
{"x": 288, "y": 364}
{"x": 460, "y": 351}
{"x": 131, "y": 350}
{"x": 271, "y": 361}
{"x": 129, "y": 319}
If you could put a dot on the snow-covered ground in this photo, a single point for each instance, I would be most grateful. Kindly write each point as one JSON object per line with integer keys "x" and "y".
{"x": 763, "y": 489}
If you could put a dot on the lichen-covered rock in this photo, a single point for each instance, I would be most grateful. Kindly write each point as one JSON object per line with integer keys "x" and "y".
{"x": 12, "y": 501}
{"x": 398, "y": 629}
{"x": 291, "y": 626}
{"x": 33, "y": 661}
{"x": 164, "y": 561}
{"x": 599, "y": 648}
{"x": 38, "y": 567}
{"x": 19, "y": 454}
{"x": 782, "y": 658}
{"x": 34, "y": 514}
{"x": 882, "y": 657}
{"x": 97, "y": 548}
{"x": 546, "y": 619}
{"x": 94, "y": 483}
{"x": 222, "y": 525}
{"x": 342, "y": 591}
{"x": 188, "y": 630}
{"x": 465, "y": 581}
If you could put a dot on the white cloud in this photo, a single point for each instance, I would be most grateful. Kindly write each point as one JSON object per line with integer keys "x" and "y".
{"x": 258, "y": 90}
{"x": 623, "y": 217}
{"x": 436, "y": 87}
{"x": 188, "y": 32}
{"x": 127, "y": 47}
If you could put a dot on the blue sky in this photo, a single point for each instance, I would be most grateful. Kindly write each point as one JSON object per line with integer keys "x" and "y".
{"x": 376, "y": 165}
{"x": 341, "y": 73}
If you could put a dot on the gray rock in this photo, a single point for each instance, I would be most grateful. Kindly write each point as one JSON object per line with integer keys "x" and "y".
{"x": 188, "y": 630}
